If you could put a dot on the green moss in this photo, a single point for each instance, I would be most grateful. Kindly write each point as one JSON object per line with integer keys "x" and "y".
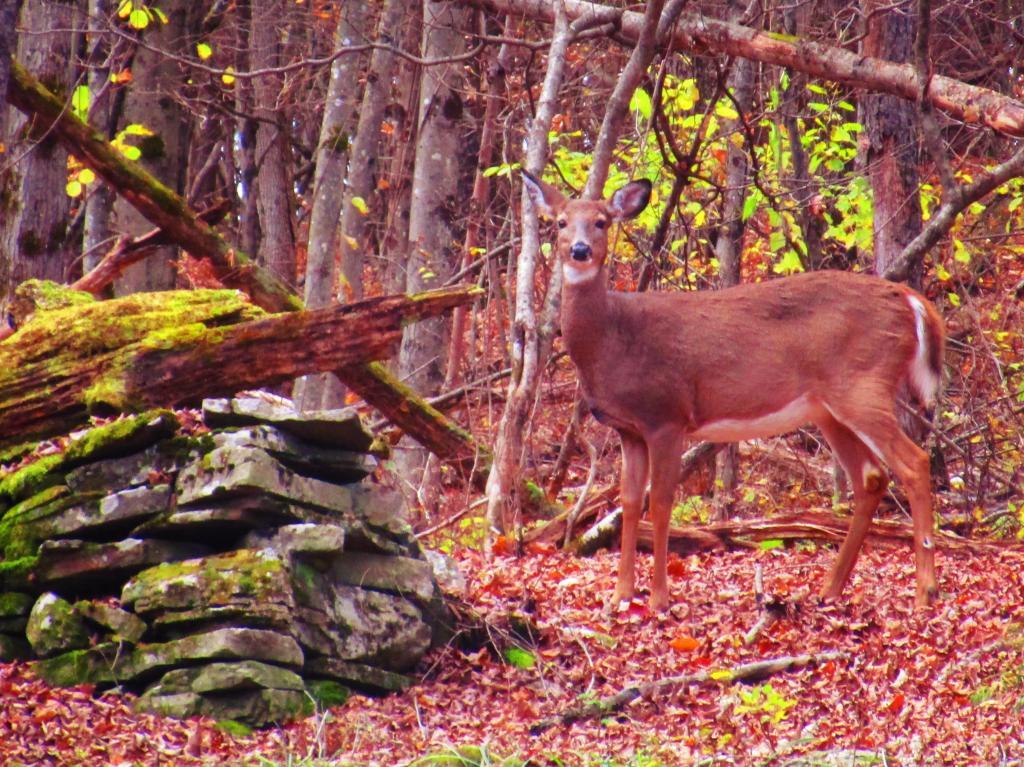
{"x": 30, "y": 479}
{"x": 328, "y": 693}
{"x": 121, "y": 437}
{"x": 234, "y": 729}
{"x": 42, "y": 498}
{"x": 77, "y": 667}
{"x": 14, "y": 604}
{"x": 47, "y": 296}
{"x": 109, "y": 394}
{"x": 14, "y": 574}
{"x": 17, "y": 452}
{"x": 186, "y": 335}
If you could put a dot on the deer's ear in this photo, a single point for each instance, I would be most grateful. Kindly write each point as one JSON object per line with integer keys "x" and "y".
{"x": 629, "y": 200}
{"x": 546, "y": 199}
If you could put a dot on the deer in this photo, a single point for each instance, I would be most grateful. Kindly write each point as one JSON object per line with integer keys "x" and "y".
{"x": 828, "y": 348}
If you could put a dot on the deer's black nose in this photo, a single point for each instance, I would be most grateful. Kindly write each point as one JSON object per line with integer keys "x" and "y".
{"x": 580, "y": 251}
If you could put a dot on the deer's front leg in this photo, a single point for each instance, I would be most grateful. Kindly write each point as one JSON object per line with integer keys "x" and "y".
{"x": 632, "y": 485}
{"x": 664, "y": 452}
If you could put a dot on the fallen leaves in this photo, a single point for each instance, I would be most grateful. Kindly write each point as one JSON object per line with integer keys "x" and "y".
{"x": 946, "y": 684}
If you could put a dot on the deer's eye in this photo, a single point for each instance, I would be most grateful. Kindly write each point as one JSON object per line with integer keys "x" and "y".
{"x": 562, "y": 223}
{"x": 600, "y": 223}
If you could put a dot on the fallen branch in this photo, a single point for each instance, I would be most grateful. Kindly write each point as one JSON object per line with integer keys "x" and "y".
{"x": 130, "y": 251}
{"x": 747, "y": 672}
{"x": 811, "y": 526}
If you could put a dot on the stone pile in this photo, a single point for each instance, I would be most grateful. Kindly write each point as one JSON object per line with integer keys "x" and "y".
{"x": 241, "y": 574}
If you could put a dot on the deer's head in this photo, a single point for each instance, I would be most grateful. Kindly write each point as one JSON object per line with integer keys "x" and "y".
{"x": 582, "y": 244}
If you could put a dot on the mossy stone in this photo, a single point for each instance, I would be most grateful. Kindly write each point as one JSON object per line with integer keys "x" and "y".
{"x": 54, "y": 626}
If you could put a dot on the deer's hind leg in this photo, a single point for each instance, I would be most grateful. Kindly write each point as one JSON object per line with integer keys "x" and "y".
{"x": 877, "y": 428}
{"x": 869, "y": 482}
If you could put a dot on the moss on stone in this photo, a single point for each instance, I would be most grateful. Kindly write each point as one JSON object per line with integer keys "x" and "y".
{"x": 328, "y": 693}
{"x": 14, "y": 573}
{"x": 28, "y": 480}
{"x": 14, "y": 604}
{"x": 122, "y": 436}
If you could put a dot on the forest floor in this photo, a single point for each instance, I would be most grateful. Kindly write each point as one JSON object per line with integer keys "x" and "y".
{"x": 938, "y": 687}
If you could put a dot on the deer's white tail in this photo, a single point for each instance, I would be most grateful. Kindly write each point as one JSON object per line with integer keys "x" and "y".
{"x": 925, "y": 375}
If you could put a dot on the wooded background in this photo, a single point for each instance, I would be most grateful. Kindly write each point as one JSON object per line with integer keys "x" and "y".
{"x": 354, "y": 149}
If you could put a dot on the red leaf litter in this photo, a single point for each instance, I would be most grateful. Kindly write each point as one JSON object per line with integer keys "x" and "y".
{"x": 937, "y": 687}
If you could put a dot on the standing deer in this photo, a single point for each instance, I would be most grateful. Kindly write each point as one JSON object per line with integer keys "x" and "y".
{"x": 828, "y": 348}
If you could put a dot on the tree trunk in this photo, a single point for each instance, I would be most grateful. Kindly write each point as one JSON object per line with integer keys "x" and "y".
{"x": 273, "y": 183}
{"x": 434, "y": 217}
{"x": 329, "y": 180}
{"x": 801, "y": 187}
{"x": 891, "y": 127}
{"x": 98, "y": 234}
{"x": 363, "y": 171}
{"x": 34, "y": 208}
{"x": 151, "y": 102}
{"x": 172, "y": 349}
{"x": 729, "y": 246}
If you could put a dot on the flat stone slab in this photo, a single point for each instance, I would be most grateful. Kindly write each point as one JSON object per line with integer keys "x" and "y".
{"x": 305, "y": 541}
{"x": 360, "y": 675}
{"x": 403, "y": 576}
{"x": 121, "y": 437}
{"x": 306, "y": 458}
{"x": 340, "y": 429}
{"x": 225, "y": 521}
{"x": 109, "y": 663}
{"x": 80, "y": 566}
{"x": 242, "y": 579}
{"x": 232, "y": 471}
{"x": 229, "y": 677}
{"x": 119, "y": 624}
{"x": 56, "y": 513}
{"x": 254, "y": 708}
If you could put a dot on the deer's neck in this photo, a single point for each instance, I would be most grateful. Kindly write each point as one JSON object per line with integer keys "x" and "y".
{"x": 584, "y": 319}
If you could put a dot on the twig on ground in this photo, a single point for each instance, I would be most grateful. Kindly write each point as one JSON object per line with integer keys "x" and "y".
{"x": 746, "y": 672}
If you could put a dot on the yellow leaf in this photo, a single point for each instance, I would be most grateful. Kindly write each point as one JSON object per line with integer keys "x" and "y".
{"x": 86, "y": 176}
{"x": 228, "y": 78}
{"x": 352, "y": 242}
{"x": 204, "y": 51}
{"x": 74, "y": 188}
{"x": 360, "y": 204}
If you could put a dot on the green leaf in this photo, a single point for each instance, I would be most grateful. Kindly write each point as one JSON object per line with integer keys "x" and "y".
{"x": 360, "y": 204}
{"x": 641, "y": 103}
{"x": 749, "y": 207}
{"x": 789, "y": 263}
{"x": 136, "y": 129}
{"x": 726, "y": 111}
{"x": 131, "y": 152}
{"x": 204, "y": 51}
{"x": 954, "y": 299}
{"x": 772, "y": 543}
{"x": 81, "y": 100}
{"x": 138, "y": 19}
{"x": 520, "y": 658}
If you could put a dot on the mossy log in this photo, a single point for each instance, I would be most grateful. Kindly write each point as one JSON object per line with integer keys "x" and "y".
{"x": 174, "y": 348}
{"x": 183, "y": 226}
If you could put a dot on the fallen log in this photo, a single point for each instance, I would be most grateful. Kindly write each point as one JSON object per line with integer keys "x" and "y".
{"x": 746, "y": 672}
{"x": 170, "y": 349}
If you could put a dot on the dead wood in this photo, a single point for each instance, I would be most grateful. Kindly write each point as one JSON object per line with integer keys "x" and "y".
{"x": 171, "y": 349}
{"x": 747, "y": 672}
